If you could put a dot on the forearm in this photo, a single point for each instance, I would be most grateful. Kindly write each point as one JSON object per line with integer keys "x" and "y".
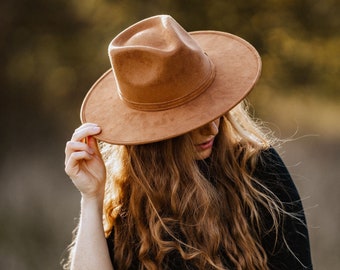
{"x": 90, "y": 250}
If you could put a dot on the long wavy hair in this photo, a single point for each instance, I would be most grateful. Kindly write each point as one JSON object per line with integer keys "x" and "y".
{"x": 159, "y": 203}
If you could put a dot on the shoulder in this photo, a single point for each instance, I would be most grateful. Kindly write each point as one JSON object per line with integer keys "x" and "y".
{"x": 292, "y": 244}
{"x": 272, "y": 172}
{"x": 270, "y": 163}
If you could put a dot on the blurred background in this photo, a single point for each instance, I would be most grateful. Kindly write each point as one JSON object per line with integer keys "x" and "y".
{"x": 51, "y": 52}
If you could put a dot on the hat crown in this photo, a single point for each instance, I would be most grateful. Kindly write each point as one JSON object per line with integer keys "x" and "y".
{"x": 157, "y": 65}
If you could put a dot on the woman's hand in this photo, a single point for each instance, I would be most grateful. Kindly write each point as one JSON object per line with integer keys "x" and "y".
{"x": 83, "y": 162}
{"x": 84, "y": 165}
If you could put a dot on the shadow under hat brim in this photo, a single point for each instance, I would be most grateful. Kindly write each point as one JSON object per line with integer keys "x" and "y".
{"x": 238, "y": 67}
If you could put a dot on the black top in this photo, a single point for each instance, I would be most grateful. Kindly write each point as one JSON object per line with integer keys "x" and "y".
{"x": 275, "y": 176}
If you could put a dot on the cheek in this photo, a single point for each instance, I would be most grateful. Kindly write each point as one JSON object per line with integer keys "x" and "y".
{"x": 194, "y": 135}
{"x": 217, "y": 122}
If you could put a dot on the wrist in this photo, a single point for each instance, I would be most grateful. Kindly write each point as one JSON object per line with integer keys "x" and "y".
{"x": 93, "y": 202}
{"x": 97, "y": 196}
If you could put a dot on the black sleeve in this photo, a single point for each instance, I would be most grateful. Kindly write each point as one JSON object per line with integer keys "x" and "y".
{"x": 110, "y": 245}
{"x": 291, "y": 250}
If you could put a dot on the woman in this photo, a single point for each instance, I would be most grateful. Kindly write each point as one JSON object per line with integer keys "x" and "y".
{"x": 181, "y": 178}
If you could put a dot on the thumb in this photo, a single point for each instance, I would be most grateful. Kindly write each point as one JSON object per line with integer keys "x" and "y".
{"x": 92, "y": 142}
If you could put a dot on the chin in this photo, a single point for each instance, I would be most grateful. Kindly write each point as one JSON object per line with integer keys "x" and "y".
{"x": 203, "y": 154}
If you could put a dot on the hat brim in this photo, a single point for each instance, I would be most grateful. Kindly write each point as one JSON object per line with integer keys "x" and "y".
{"x": 238, "y": 67}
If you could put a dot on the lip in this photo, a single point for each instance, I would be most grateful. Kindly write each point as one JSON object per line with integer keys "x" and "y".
{"x": 206, "y": 145}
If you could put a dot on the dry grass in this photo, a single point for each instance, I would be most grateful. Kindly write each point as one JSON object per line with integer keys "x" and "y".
{"x": 301, "y": 114}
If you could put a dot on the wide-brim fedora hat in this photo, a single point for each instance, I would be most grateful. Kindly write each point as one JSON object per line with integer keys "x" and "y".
{"x": 165, "y": 81}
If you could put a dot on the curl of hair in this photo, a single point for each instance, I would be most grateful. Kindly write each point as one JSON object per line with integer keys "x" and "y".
{"x": 157, "y": 201}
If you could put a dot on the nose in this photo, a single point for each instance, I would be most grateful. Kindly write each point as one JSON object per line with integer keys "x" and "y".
{"x": 209, "y": 129}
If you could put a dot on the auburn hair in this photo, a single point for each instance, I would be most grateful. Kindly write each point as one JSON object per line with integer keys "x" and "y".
{"x": 158, "y": 202}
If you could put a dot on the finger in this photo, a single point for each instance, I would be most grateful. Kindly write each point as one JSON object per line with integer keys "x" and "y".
{"x": 85, "y": 126}
{"x": 85, "y": 140}
{"x": 92, "y": 143}
{"x": 84, "y": 131}
{"x": 72, "y": 164}
{"x": 72, "y": 146}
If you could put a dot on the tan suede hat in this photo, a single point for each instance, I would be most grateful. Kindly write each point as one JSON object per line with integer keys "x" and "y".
{"x": 165, "y": 82}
